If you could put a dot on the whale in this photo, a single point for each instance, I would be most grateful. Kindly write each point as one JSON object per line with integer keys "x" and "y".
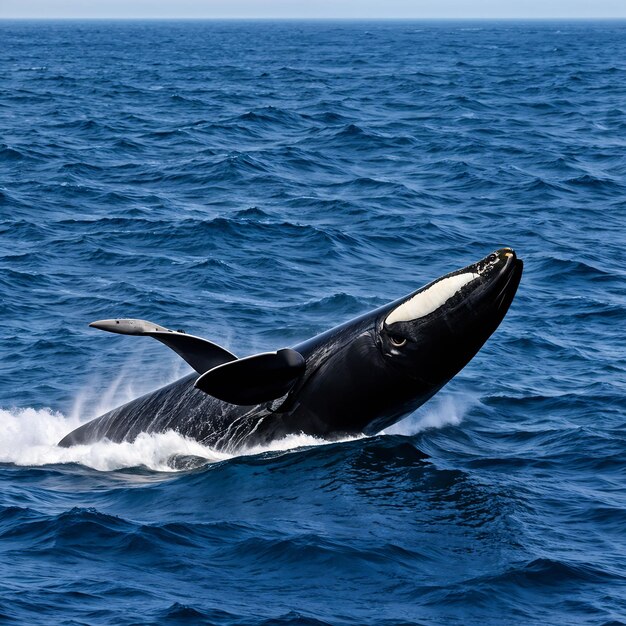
{"x": 358, "y": 378}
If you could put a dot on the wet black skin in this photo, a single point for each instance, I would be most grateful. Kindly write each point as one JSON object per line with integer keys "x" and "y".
{"x": 360, "y": 377}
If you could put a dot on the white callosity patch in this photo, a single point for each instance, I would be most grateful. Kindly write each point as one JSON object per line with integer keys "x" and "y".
{"x": 430, "y": 299}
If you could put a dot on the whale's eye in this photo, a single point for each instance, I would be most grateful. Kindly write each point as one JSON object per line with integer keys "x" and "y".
{"x": 397, "y": 341}
{"x": 491, "y": 258}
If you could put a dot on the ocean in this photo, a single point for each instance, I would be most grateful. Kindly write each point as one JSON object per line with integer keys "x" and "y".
{"x": 256, "y": 183}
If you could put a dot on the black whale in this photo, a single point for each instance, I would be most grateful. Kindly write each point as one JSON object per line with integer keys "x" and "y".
{"x": 359, "y": 377}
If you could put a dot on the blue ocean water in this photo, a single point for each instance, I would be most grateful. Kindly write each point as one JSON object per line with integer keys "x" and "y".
{"x": 256, "y": 183}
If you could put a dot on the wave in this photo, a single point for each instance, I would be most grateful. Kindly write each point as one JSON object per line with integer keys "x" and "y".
{"x": 589, "y": 181}
{"x": 271, "y": 115}
{"x": 10, "y": 154}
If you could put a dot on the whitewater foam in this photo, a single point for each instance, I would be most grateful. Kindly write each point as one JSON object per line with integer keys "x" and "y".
{"x": 29, "y": 437}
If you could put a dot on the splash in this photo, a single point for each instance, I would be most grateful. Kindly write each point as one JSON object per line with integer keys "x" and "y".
{"x": 29, "y": 437}
{"x": 295, "y": 442}
{"x": 447, "y": 409}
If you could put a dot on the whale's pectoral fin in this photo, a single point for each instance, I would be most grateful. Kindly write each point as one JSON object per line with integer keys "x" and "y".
{"x": 201, "y": 354}
{"x": 254, "y": 379}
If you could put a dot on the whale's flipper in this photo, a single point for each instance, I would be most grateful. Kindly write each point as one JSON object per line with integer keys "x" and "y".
{"x": 254, "y": 379}
{"x": 201, "y": 354}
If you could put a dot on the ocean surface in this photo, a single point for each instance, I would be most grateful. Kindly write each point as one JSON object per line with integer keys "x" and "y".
{"x": 257, "y": 183}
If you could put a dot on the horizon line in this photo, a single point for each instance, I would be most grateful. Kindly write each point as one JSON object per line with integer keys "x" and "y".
{"x": 324, "y": 18}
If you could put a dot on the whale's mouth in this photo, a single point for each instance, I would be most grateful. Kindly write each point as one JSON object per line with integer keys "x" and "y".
{"x": 512, "y": 282}
{"x": 510, "y": 275}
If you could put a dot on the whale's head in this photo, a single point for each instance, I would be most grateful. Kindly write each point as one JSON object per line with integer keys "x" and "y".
{"x": 427, "y": 337}
{"x": 371, "y": 372}
{"x": 433, "y": 333}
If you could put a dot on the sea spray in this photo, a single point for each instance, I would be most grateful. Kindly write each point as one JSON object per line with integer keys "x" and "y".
{"x": 446, "y": 409}
{"x": 132, "y": 380}
{"x": 29, "y": 437}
